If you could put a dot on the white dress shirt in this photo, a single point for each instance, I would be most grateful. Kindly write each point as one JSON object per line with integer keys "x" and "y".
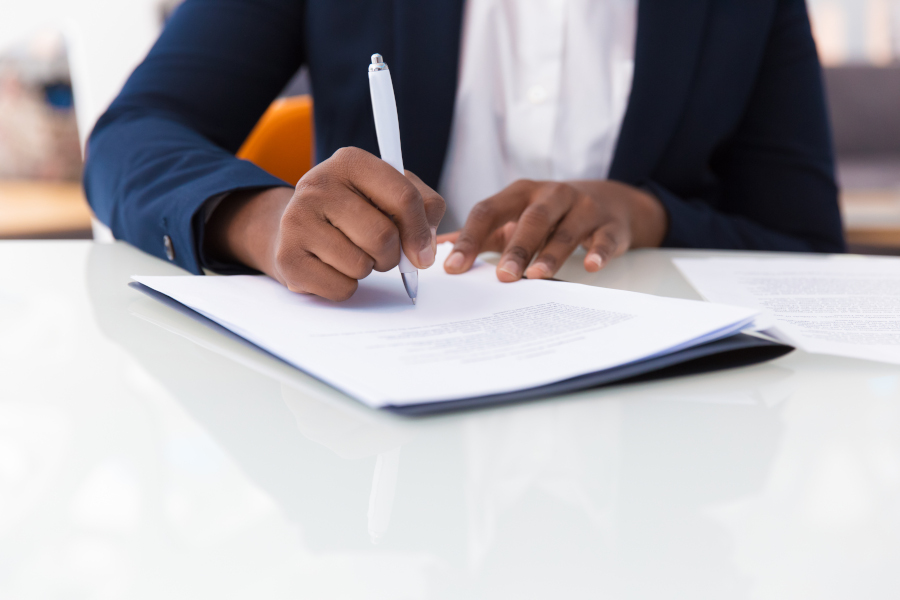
{"x": 543, "y": 88}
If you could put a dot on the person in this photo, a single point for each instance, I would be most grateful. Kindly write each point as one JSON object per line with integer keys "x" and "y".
{"x": 546, "y": 125}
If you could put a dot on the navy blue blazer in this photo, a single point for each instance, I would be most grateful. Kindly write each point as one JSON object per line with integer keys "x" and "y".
{"x": 726, "y": 122}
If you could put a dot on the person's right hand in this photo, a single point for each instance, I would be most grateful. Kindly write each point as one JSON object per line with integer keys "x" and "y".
{"x": 347, "y": 216}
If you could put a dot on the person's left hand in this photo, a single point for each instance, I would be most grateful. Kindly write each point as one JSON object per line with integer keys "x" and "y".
{"x": 550, "y": 219}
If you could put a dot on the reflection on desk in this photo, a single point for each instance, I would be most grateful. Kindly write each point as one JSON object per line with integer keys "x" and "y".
{"x": 163, "y": 458}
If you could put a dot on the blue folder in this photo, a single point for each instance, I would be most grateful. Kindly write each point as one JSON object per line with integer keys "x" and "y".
{"x": 731, "y": 352}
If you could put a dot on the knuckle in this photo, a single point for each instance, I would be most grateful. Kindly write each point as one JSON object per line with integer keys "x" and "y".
{"x": 292, "y": 265}
{"x": 295, "y": 280}
{"x": 564, "y": 237}
{"x": 311, "y": 180}
{"x": 585, "y": 200}
{"x": 518, "y": 252}
{"x": 316, "y": 174}
{"x": 557, "y": 188}
{"x": 609, "y": 237}
{"x": 384, "y": 236}
{"x": 557, "y": 192}
{"x": 288, "y": 257}
{"x": 307, "y": 196}
{"x": 313, "y": 186}
{"x": 362, "y": 266}
{"x": 345, "y": 159}
{"x": 295, "y": 229}
{"x": 465, "y": 241}
{"x": 436, "y": 204}
{"x": 307, "y": 184}
{"x": 604, "y": 243}
{"x": 482, "y": 211}
{"x": 342, "y": 290}
{"x": 409, "y": 199}
{"x": 537, "y": 216}
{"x": 346, "y": 153}
{"x": 523, "y": 185}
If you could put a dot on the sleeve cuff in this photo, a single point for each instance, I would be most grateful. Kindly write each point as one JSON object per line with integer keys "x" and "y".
{"x": 686, "y": 220}
{"x": 186, "y": 224}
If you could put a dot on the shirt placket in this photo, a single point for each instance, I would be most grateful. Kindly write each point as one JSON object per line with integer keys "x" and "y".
{"x": 534, "y": 104}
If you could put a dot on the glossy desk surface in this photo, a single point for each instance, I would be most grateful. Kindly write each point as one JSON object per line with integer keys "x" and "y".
{"x": 143, "y": 455}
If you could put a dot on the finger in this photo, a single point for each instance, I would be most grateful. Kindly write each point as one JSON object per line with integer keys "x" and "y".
{"x": 496, "y": 242}
{"x": 575, "y": 227}
{"x": 332, "y": 247}
{"x": 434, "y": 204}
{"x": 304, "y": 273}
{"x": 499, "y": 240}
{"x": 392, "y": 193}
{"x": 366, "y": 227}
{"x": 607, "y": 242}
{"x": 483, "y": 220}
{"x": 533, "y": 228}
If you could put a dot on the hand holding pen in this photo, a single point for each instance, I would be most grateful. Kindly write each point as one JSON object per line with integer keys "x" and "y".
{"x": 387, "y": 129}
{"x": 350, "y": 215}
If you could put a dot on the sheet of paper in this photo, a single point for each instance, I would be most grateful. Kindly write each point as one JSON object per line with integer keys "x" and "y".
{"x": 842, "y": 305}
{"x": 468, "y": 336}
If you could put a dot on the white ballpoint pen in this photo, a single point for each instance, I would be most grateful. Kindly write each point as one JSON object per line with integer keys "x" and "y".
{"x": 387, "y": 128}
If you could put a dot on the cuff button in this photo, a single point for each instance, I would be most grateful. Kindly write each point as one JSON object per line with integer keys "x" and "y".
{"x": 170, "y": 249}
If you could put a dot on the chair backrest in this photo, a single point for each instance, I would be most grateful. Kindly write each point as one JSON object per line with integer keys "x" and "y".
{"x": 282, "y": 141}
{"x": 91, "y": 29}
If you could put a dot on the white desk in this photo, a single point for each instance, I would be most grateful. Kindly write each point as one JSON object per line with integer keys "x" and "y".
{"x": 143, "y": 455}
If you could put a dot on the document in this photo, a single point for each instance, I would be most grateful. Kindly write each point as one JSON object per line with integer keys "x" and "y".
{"x": 469, "y": 335}
{"x": 841, "y": 305}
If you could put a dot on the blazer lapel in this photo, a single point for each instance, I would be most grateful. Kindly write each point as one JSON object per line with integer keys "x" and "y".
{"x": 424, "y": 70}
{"x": 670, "y": 37}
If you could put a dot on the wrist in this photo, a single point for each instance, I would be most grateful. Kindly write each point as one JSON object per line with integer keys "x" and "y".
{"x": 244, "y": 227}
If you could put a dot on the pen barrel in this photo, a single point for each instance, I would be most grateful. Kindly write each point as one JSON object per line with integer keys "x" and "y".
{"x": 387, "y": 128}
{"x": 387, "y": 124}
{"x": 405, "y": 265}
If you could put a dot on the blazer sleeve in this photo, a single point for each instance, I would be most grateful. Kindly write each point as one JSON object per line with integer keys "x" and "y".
{"x": 777, "y": 170}
{"x": 166, "y": 144}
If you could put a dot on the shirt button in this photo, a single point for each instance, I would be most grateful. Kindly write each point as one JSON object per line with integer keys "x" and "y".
{"x": 170, "y": 249}
{"x": 537, "y": 94}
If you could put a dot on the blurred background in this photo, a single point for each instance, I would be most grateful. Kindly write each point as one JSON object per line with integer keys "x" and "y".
{"x": 62, "y": 62}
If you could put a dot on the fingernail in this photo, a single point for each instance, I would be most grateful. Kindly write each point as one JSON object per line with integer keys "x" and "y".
{"x": 426, "y": 256}
{"x": 434, "y": 238}
{"x": 511, "y": 267}
{"x": 455, "y": 261}
{"x": 538, "y": 271}
{"x": 595, "y": 259}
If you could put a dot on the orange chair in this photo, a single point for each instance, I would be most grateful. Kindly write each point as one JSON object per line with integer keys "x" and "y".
{"x": 282, "y": 141}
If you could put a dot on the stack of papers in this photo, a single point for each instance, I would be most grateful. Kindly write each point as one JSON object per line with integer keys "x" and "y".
{"x": 841, "y": 305}
{"x": 469, "y": 336}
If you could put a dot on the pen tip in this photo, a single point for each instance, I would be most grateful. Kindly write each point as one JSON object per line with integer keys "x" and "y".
{"x": 411, "y": 283}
